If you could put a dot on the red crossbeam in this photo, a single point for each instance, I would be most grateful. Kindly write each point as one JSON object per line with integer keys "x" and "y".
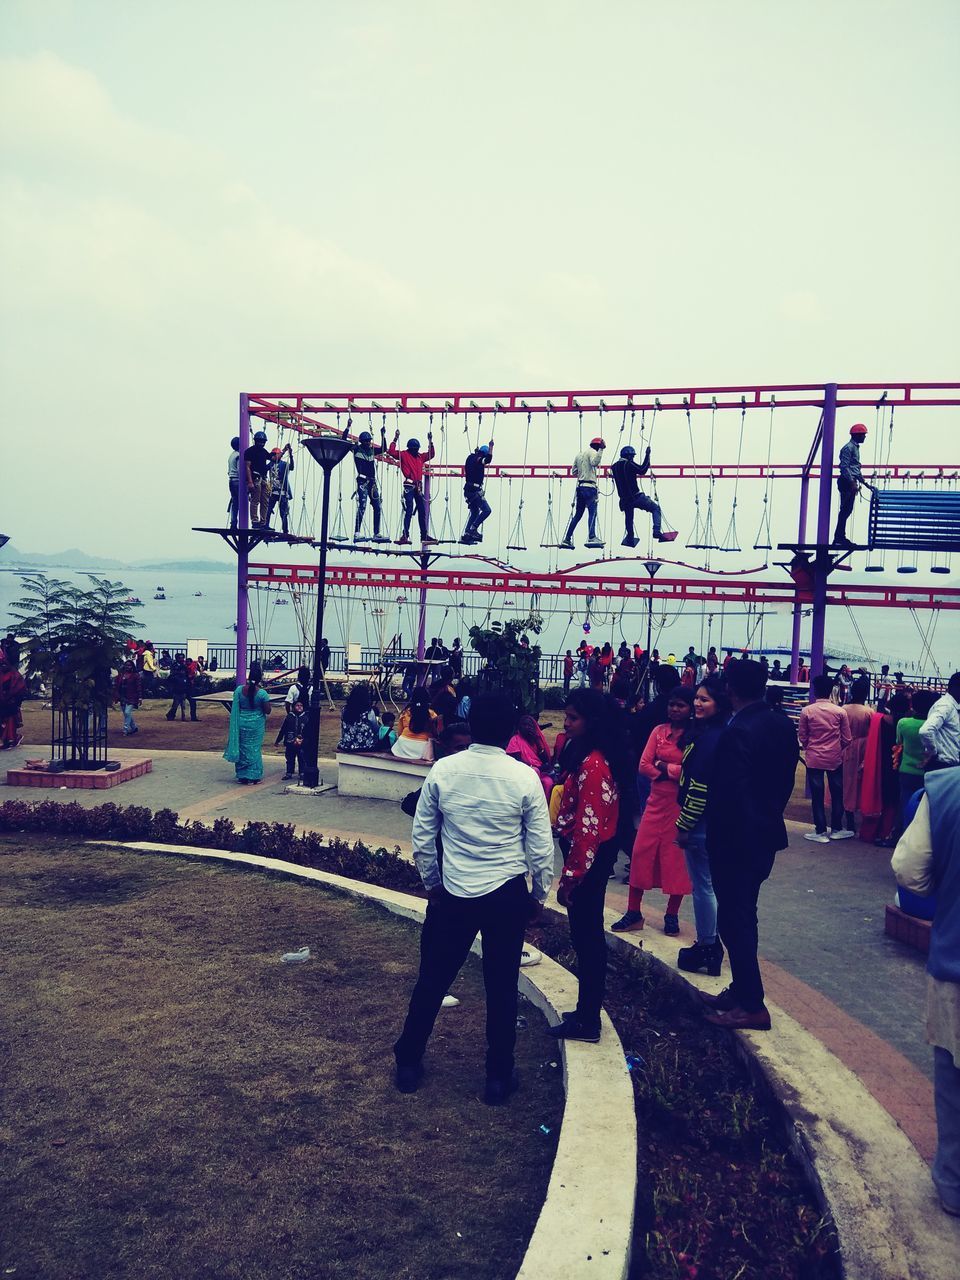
{"x": 719, "y": 471}
{"x": 663, "y": 399}
{"x": 412, "y": 578}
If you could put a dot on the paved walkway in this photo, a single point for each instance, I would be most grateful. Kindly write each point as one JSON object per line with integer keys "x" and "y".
{"x": 826, "y": 959}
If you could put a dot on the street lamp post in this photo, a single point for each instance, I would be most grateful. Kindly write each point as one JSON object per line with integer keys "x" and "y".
{"x": 329, "y": 451}
{"x": 652, "y": 567}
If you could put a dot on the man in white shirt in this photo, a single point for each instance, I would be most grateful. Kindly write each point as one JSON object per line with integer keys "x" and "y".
{"x": 492, "y": 815}
{"x": 584, "y": 468}
{"x": 940, "y": 732}
{"x": 233, "y": 480}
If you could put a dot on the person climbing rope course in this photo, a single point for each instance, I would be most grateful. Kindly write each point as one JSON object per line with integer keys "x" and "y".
{"x": 365, "y": 454}
{"x": 584, "y": 468}
{"x": 626, "y": 472}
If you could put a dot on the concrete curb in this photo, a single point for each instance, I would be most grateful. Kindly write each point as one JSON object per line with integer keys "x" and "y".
{"x": 587, "y": 1215}
{"x": 870, "y": 1176}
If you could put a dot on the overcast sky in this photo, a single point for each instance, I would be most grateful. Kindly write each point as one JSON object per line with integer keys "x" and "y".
{"x": 211, "y": 196}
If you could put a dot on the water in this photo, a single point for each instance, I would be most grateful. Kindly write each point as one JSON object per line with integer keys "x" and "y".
{"x": 374, "y": 618}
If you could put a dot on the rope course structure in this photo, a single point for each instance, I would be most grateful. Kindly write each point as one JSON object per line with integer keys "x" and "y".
{"x": 902, "y": 489}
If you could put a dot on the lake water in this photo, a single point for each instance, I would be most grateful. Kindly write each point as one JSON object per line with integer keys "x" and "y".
{"x": 372, "y": 619}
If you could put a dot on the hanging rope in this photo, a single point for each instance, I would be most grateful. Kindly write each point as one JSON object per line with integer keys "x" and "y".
{"x": 696, "y": 534}
{"x": 709, "y": 536}
{"x": 763, "y": 541}
{"x": 517, "y": 541}
{"x": 730, "y": 540}
{"x": 549, "y": 537}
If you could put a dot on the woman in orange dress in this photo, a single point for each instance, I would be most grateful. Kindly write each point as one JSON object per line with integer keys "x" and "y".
{"x": 658, "y": 860}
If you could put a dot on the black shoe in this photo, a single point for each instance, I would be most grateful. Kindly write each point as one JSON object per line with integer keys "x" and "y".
{"x": 498, "y": 1091}
{"x": 702, "y": 955}
{"x": 726, "y": 999}
{"x": 195, "y": 719}
{"x": 407, "y": 1078}
{"x": 171, "y": 717}
{"x": 671, "y": 924}
{"x": 574, "y": 1029}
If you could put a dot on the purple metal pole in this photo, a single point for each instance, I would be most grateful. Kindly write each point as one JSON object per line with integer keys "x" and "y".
{"x": 424, "y": 563}
{"x": 821, "y": 569}
{"x": 243, "y": 522}
{"x": 798, "y": 607}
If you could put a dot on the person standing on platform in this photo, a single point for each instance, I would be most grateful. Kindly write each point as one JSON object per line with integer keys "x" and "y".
{"x": 849, "y": 483}
{"x": 824, "y": 734}
{"x": 474, "y": 473}
{"x": 258, "y": 462}
{"x": 927, "y": 861}
{"x": 412, "y": 463}
{"x": 585, "y": 469}
{"x": 493, "y": 817}
{"x": 626, "y": 474}
{"x": 365, "y": 455}
{"x": 281, "y": 462}
{"x": 233, "y": 481}
{"x": 751, "y": 782}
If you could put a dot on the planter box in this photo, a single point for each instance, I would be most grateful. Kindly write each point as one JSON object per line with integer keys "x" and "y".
{"x": 908, "y": 929}
{"x": 80, "y": 779}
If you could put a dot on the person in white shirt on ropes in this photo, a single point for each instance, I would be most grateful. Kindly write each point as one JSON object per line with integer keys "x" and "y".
{"x": 585, "y": 468}
{"x": 492, "y": 815}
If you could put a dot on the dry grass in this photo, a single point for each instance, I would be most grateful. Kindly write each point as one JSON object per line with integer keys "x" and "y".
{"x": 157, "y": 733}
{"x": 178, "y": 1103}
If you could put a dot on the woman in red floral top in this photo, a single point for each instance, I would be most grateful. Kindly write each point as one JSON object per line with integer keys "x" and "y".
{"x": 596, "y": 758}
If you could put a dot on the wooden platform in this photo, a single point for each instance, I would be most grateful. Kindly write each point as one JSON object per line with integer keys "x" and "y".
{"x": 80, "y": 779}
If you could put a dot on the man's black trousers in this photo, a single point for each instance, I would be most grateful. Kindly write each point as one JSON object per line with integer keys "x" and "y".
{"x": 448, "y": 933}
{"x": 585, "y": 914}
{"x": 737, "y": 886}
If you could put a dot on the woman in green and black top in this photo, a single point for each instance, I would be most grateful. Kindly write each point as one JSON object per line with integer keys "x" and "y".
{"x": 912, "y": 751}
{"x": 711, "y": 710}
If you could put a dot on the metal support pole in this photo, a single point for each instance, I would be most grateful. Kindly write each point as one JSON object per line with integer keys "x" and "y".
{"x": 424, "y": 564}
{"x": 821, "y": 567}
{"x": 797, "y": 606}
{"x": 652, "y": 567}
{"x": 311, "y": 739}
{"x": 243, "y": 553}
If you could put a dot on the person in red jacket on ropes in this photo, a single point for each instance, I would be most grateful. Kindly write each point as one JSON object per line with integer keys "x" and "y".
{"x": 412, "y": 463}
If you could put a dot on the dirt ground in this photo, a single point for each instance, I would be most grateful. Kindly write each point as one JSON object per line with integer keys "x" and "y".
{"x": 177, "y": 1102}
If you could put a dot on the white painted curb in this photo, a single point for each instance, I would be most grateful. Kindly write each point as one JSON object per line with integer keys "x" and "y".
{"x": 586, "y": 1223}
{"x": 872, "y": 1179}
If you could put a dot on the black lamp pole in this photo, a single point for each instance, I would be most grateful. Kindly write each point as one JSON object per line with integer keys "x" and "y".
{"x": 652, "y": 567}
{"x": 329, "y": 451}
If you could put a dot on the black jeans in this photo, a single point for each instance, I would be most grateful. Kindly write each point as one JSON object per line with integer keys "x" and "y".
{"x": 640, "y": 502}
{"x": 412, "y": 499}
{"x": 585, "y": 914}
{"x": 737, "y": 887}
{"x": 293, "y": 759}
{"x": 848, "y": 496}
{"x": 448, "y": 933}
{"x": 835, "y": 779}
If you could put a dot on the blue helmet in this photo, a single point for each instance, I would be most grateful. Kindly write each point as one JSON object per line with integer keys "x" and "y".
{"x": 628, "y": 451}
{"x": 483, "y": 448}
{"x": 365, "y": 437}
{"x": 413, "y": 445}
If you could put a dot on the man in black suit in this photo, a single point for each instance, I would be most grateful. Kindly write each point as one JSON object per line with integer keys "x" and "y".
{"x": 755, "y": 764}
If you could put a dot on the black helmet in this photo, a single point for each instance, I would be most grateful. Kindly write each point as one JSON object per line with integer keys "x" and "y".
{"x": 260, "y": 436}
{"x": 365, "y": 437}
{"x": 628, "y": 451}
{"x": 413, "y": 445}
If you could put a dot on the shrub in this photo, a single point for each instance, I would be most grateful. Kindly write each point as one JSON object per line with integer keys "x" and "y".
{"x": 271, "y": 840}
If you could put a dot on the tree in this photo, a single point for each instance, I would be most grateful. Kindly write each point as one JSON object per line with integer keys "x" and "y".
{"x": 75, "y": 639}
{"x": 508, "y": 664}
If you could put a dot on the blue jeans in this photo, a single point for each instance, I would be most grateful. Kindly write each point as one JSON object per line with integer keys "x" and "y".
{"x": 479, "y": 509}
{"x": 586, "y": 501}
{"x": 413, "y": 500}
{"x": 946, "y": 1096}
{"x": 129, "y": 725}
{"x": 704, "y": 899}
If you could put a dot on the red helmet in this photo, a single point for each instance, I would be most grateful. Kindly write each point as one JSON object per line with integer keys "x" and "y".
{"x": 598, "y": 442}
{"x": 858, "y": 429}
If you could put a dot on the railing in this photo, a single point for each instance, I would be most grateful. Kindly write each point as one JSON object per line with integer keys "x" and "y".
{"x": 289, "y": 657}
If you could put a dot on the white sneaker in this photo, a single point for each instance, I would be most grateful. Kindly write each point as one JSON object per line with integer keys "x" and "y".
{"x": 818, "y": 837}
{"x": 843, "y": 835}
{"x": 449, "y": 1002}
{"x": 295, "y": 957}
{"x": 530, "y": 956}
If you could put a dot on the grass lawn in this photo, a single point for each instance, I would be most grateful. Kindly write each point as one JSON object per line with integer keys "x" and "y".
{"x": 178, "y": 1103}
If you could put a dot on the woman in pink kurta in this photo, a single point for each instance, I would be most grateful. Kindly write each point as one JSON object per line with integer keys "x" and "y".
{"x": 658, "y": 861}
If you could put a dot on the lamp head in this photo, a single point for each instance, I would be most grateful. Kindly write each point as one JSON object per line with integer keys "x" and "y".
{"x": 328, "y": 450}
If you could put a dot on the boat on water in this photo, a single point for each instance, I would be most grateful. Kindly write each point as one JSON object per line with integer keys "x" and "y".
{"x": 198, "y": 593}
{"x": 159, "y": 596}
{"x": 281, "y": 602}
{"x": 133, "y": 600}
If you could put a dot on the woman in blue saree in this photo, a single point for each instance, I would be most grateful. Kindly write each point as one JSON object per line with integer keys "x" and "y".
{"x": 248, "y": 719}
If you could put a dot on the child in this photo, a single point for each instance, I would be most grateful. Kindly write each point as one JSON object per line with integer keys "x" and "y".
{"x": 386, "y": 736}
{"x": 292, "y": 730}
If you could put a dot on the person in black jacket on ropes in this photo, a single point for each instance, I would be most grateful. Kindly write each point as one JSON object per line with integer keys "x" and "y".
{"x": 626, "y": 472}
{"x": 751, "y": 781}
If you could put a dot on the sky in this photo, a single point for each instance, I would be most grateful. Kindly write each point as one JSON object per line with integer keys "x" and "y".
{"x": 203, "y": 198}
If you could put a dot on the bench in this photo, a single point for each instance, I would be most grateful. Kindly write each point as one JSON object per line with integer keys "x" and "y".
{"x": 378, "y": 775}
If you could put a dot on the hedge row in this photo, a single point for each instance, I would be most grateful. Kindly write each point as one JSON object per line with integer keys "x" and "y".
{"x": 385, "y": 867}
